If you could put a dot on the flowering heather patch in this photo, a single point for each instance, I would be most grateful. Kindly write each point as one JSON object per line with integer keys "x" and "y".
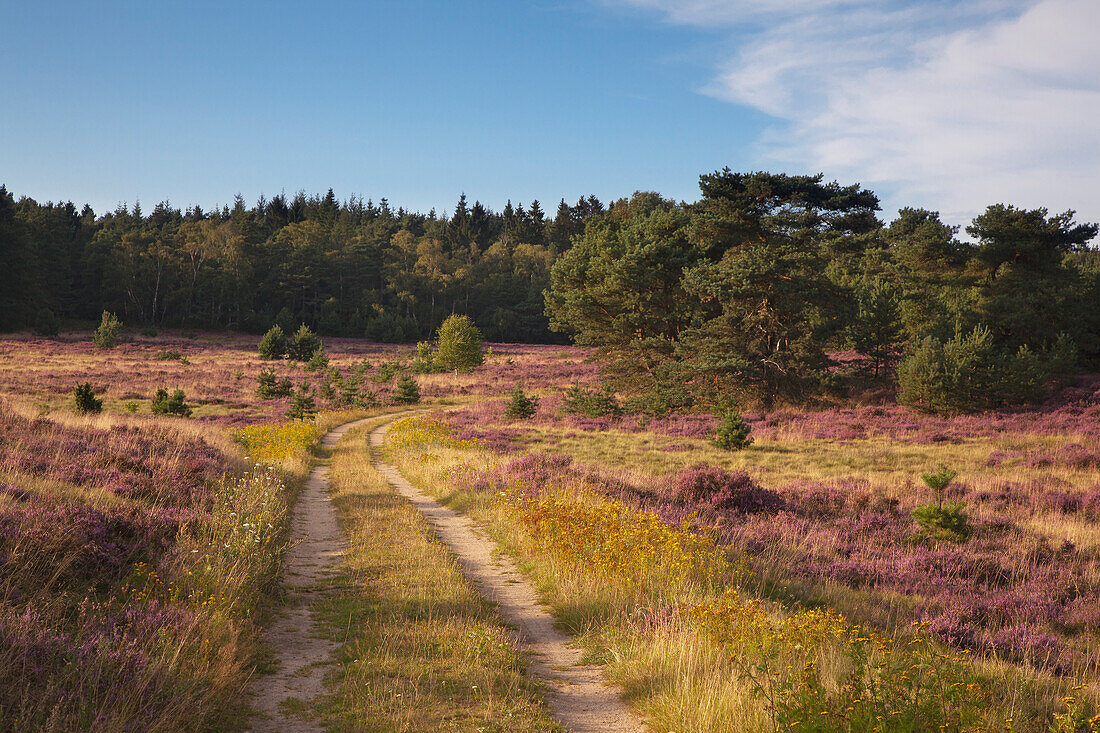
{"x": 717, "y": 491}
{"x": 152, "y": 464}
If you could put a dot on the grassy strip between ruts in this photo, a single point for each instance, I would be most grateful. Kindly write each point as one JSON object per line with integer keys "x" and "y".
{"x": 693, "y": 650}
{"x": 420, "y": 649}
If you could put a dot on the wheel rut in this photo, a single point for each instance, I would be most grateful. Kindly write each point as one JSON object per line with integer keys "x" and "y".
{"x": 579, "y": 697}
{"x": 302, "y": 656}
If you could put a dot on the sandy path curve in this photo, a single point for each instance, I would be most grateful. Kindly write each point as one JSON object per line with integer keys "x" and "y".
{"x": 578, "y": 696}
{"x": 301, "y": 656}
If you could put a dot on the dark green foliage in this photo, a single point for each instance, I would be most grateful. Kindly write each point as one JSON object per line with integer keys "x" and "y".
{"x": 946, "y": 522}
{"x": 45, "y": 323}
{"x": 406, "y": 391}
{"x": 85, "y": 398}
{"x": 302, "y": 406}
{"x": 732, "y": 433}
{"x": 591, "y": 402}
{"x": 876, "y": 327}
{"x": 971, "y": 373}
{"x": 303, "y": 344}
{"x": 942, "y": 520}
{"x": 426, "y": 361}
{"x": 273, "y": 343}
{"x": 169, "y": 355}
{"x": 318, "y": 362}
{"x": 269, "y": 387}
{"x": 173, "y": 404}
{"x": 107, "y": 333}
{"x": 349, "y": 389}
{"x": 387, "y": 370}
{"x": 520, "y": 406}
{"x": 459, "y": 344}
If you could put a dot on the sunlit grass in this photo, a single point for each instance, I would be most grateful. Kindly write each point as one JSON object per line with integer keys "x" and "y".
{"x": 420, "y": 649}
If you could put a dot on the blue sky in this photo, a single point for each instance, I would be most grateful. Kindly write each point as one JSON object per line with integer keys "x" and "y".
{"x": 950, "y": 105}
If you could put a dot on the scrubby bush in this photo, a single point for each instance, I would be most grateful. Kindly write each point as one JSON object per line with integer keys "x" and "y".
{"x": 386, "y": 371}
{"x": 269, "y": 387}
{"x": 107, "y": 333}
{"x": 273, "y": 343}
{"x": 732, "y": 433}
{"x": 590, "y": 402}
{"x": 303, "y": 344}
{"x": 520, "y": 406}
{"x": 302, "y": 406}
{"x": 85, "y": 398}
{"x": 169, "y": 355}
{"x": 459, "y": 344}
{"x": 165, "y": 404}
{"x": 712, "y": 488}
{"x": 318, "y": 362}
{"x": 407, "y": 391}
{"x": 426, "y": 361}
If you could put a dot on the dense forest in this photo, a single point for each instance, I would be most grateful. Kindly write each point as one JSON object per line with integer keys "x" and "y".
{"x": 350, "y": 269}
{"x": 744, "y": 295}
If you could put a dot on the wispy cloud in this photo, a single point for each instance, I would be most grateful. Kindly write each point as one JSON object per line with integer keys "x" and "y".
{"x": 948, "y": 105}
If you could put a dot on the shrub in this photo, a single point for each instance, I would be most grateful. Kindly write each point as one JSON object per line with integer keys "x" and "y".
{"x": 717, "y": 489}
{"x": 947, "y": 521}
{"x": 590, "y": 402}
{"x": 268, "y": 386}
{"x": 732, "y": 433}
{"x": 318, "y": 362}
{"x": 459, "y": 344}
{"x": 165, "y": 404}
{"x": 386, "y": 371}
{"x": 520, "y": 406}
{"x": 407, "y": 391}
{"x": 85, "y": 398}
{"x": 425, "y": 361}
{"x": 45, "y": 323}
{"x": 273, "y": 344}
{"x": 969, "y": 373}
{"x": 107, "y": 333}
{"x": 303, "y": 344}
{"x": 302, "y": 406}
{"x": 169, "y": 355}
{"x": 940, "y": 520}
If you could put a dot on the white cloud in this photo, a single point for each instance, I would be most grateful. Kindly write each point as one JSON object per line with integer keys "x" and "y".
{"x": 948, "y": 105}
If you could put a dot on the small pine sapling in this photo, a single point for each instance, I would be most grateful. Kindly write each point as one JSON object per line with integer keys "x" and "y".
{"x": 86, "y": 402}
{"x": 407, "y": 391}
{"x": 303, "y": 344}
{"x": 273, "y": 344}
{"x": 318, "y": 362}
{"x": 269, "y": 387}
{"x": 173, "y": 404}
{"x": 732, "y": 432}
{"x": 302, "y": 406}
{"x": 107, "y": 333}
{"x": 520, "y": 406}
{"x": 942, "y": 520}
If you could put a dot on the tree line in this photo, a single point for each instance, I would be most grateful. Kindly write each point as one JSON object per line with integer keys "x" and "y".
{"x": 349, "y": 268}
{"x": 746, "y": 294}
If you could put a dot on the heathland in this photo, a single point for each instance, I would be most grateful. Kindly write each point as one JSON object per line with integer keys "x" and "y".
{"x": 787, "y": 582}
{"x": 801, "y": 468}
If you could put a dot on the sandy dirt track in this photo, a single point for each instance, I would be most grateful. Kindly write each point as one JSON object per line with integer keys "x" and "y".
{"x": 301, "y": 656}
{"x": 579, "y": 697}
